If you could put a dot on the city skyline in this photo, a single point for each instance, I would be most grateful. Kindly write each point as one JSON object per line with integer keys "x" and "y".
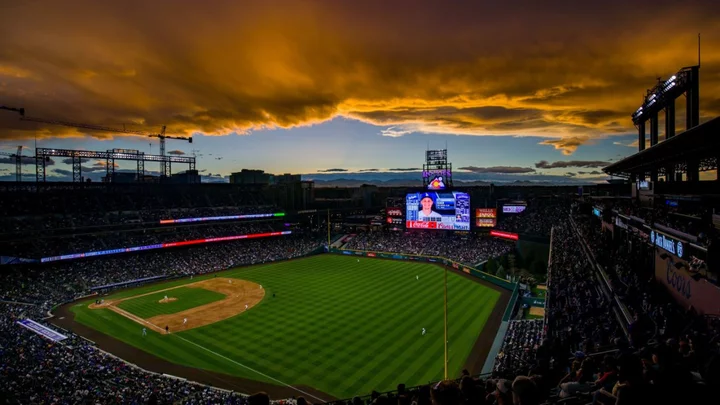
{"x": 517, "y": 91}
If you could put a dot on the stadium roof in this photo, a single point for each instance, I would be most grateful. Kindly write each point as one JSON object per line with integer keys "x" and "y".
{"x": 698, "y": 143}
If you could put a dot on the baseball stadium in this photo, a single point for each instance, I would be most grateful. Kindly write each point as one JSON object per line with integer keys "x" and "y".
{"x": 326, "y": 326}
{"x": 363, "y": 268}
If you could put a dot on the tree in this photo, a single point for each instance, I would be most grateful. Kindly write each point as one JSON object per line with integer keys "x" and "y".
{"x": 540, "y": 269}
{"x": 491, "y": 266}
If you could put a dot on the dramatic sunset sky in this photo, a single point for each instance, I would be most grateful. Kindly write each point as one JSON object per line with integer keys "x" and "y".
{"x": 517, "y": 89}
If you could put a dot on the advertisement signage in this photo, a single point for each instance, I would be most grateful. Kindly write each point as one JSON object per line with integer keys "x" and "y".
{"x": 513, "y": 209}
{"x": 394, "y": 216}
{"x": 394, "y": 212}
{"x": 438, "y": 210}
{"x": 485, "y": 217}
{"x": 686, "y": 289}
{"x": 504, "y": 235}
{"x": 666, "y": 243}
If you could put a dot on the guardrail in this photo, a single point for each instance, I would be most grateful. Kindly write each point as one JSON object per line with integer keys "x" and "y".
{"x": 622, "y": 314}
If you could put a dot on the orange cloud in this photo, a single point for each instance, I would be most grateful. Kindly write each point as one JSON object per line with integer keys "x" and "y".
{"x": 478, "y": 68}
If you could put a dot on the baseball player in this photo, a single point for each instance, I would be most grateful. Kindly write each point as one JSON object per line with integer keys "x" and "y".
{"x": 417, "y": 277}
{"x": 184, "y": 321}
{"x": 144, "y": 332}
{"x": 423, "y": 331}
{"x": 246, "y": 307}
{"x": 166, "y": 298}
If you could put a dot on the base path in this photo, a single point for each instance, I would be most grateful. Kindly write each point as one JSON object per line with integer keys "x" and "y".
{"x": 240, "y": 295}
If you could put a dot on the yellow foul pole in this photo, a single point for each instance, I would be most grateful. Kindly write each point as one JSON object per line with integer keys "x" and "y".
{"x": 328, "y": 221}
{"x": 446, "y": 325}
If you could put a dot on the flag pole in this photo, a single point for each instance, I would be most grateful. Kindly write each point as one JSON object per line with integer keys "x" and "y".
{"x": 446, "y": 325}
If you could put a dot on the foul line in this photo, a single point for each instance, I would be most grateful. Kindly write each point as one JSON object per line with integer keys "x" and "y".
{"x": 249, "y": 368}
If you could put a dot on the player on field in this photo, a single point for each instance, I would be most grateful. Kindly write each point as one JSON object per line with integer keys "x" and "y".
{"x": 167, "y": 329}
{"x": 246, "y": 307}
{"x": 166, "y": 298}
{"x": 423, "y": 331}
{"x": 358, "y": 260}
{"x": 417, "y": 277}
{"x": 144, "y": 332}
{"x": 184, "y": 321}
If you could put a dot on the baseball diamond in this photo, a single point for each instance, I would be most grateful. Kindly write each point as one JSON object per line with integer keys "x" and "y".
{"x": 328, "y": 322}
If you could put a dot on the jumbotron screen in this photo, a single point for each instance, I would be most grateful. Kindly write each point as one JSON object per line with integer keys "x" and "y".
{"x": 449, "y": 210}
{"x": 485, "y": 217}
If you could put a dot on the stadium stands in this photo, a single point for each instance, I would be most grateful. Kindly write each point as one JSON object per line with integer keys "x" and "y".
{"x": 467, "y": 250}
{"x": 585, "y": 351}
{"x": 74, "y": 371}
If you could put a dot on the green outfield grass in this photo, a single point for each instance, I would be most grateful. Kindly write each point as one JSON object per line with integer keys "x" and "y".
{"x": 148, "y": 305}
{"x": 341, "y": 326}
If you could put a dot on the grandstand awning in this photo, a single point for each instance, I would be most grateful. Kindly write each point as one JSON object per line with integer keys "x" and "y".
{"x": 701, "y": 143}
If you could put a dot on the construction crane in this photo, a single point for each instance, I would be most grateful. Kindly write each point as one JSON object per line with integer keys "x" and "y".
{"x": 164, "y": 166}
{"x": 18, "y": 161}
{"x": 163, "y": 137}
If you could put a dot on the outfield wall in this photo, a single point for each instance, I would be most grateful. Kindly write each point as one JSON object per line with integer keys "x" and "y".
{"x": 500, "y": 282}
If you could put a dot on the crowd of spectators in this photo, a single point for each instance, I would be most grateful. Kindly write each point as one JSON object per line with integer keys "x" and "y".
{"x": 586, "y": 352}
{"x": 64, "y": 210}
{"x": 583, "y": 354}
{"x": 34, "y": 247}
{"x": 464, "y": 249}
{"x": 538, "y": 218}
{"x": 35, "y": 370}
{"x": 519, "y": 348}
{"x": 695, "y": 221}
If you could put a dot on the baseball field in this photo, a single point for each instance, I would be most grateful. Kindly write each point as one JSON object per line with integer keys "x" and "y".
{"x": 341, "y": 326}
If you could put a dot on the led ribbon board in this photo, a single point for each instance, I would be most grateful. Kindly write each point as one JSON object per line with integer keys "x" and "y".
{"x": 162, "y": 246}
{"x": 223, "y": 218}
{"x": 504, "y": 235}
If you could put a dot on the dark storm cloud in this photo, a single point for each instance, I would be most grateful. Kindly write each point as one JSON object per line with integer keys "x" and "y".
{"x": 332, "y": 170}
{"x": 568, "y": 72}
{"x": 544, "y": 164}
{"x": 498, "y": 169}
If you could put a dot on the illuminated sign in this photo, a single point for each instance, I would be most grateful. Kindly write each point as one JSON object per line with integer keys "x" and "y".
{"x": 162, "y": 246}
{"x": 394, "y": 212}
{"x": 436, "y": 183}
{"x": 666, "y": 243}
{"x": 223, "y": 218}
{"x": 485, "y": 217}
{"x": 513, "y": 209}
{"x": 504, "y": 235}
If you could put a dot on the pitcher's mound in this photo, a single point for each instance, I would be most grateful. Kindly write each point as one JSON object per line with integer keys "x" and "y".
{"x": 169, "y": 299}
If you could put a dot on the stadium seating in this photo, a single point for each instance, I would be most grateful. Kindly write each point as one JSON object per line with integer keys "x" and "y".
{"x": 467, "y": 250}
{"x": 583, "y": 354}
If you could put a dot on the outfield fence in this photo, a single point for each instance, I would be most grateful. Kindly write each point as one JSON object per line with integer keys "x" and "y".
{"x": 500, "y": 282}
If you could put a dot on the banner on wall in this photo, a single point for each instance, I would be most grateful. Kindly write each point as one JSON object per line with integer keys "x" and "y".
{"x": 686, "y": 287}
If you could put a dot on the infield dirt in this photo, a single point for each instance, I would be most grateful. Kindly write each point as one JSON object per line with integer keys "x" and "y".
{"x": 240, "y": 295}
